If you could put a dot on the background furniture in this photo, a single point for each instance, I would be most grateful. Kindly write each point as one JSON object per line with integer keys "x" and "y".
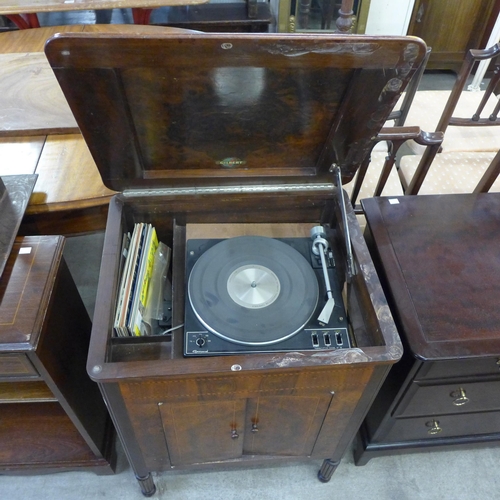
{"x": 24, "y": 12}
{"x": 39, "y": 135}
{"x": 377, "y": 174}
{"x": 469, "y": 120}
{"x": 315, "y": 15}
{"x": 244, "y": 16}
{"x": 15, "y": 191}
{"x": 438, "y": 260}
{"x": 451, "y": 28}
{"x": 449, "y": 173}
{"x": 53, "y": 416}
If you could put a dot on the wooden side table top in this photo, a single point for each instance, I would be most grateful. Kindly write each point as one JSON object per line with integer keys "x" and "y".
{"x": 440, "y": 257}
{"x": 31, "y": 101}
{"x": 39, "y": 135}
{"x": 25, "y": 289}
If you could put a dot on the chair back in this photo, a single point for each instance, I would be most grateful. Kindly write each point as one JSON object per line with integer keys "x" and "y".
{"x": 448, "y": 118}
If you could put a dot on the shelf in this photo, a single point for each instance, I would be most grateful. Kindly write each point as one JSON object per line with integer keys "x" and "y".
{"x": 40, "y": 434}
{"x": 23, "y": 392}
{"x": 52, "y": 416}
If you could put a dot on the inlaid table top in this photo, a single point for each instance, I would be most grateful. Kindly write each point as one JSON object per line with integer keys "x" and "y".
{"x": 31, "y": 101}
{"x": 39, "y": 135}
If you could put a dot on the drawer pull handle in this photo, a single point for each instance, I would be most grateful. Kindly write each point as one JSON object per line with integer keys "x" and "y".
{"x": 433, "y": 427}
{"x": 234, "y": 434}
{"x": 460, "y": 397}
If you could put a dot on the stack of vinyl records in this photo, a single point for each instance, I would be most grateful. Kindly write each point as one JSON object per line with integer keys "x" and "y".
{"x": 144, "y": 261}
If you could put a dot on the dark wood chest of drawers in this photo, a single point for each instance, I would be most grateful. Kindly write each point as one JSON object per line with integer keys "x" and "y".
{"x": 438, "y": 257}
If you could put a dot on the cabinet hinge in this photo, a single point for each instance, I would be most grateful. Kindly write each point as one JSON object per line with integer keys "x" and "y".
{"x": 204, "y": 190}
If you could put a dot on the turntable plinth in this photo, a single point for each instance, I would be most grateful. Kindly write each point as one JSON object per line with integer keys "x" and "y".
{"x": 224, "y": 129}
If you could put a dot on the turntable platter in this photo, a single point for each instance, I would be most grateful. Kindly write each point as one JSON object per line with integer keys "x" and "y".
{"x": 253, "y": 290}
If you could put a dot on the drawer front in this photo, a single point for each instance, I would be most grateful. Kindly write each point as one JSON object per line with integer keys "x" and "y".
{"x": 16, "y": 365}
{"x": 449, "y": 399}
{"x": 459, "y": 368}
{"x": 429, "y": 428}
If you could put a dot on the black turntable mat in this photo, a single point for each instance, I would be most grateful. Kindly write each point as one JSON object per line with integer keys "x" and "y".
{"x": 253, "y": 290}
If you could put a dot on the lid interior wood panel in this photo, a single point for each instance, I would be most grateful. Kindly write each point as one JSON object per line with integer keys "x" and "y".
{"x": 196, "y": 109}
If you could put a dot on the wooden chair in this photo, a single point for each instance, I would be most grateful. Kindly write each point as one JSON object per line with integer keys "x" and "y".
{"x": 383, "y": 178}
{"x": 469, "y": 160}
{"x": 430, "y": 173}
{"x": 376, "y": 176}
{"x": 452, "y": 173}
{"x": 467, "y": 119}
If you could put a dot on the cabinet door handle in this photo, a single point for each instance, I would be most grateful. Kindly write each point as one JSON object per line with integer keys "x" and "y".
{"x": 460, "y": 397}
{"x": 234, "y": 434}
{"x": 254, "y": 427}
{"x": 433, "y": 427}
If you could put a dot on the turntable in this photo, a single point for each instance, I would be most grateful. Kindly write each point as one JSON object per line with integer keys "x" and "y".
{"x": 261, "y": 294}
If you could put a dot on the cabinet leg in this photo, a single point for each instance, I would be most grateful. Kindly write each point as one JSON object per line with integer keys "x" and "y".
{"x": 147, "y": 485}
{"x": 327, "y": 470}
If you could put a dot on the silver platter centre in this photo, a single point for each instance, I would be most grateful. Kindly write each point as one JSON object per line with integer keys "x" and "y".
{"x": 253, "y": 286}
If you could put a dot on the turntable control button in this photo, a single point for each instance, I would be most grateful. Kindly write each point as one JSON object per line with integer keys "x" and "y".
{"x": 315, "y": 340}
{"x": 200, "y": 341}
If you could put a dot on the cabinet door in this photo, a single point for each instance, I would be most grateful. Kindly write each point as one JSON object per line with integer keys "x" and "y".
{"x": 450, "y": 27}
{"x": 203, "y": 431}
{"x": 284, "y": 425}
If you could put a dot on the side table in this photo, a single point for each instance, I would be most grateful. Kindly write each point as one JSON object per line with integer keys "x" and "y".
{"x": 52, "y": 415}
{"x": 438, "y": 259}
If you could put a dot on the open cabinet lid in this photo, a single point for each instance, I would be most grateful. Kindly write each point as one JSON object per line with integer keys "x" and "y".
{"x": 226, "y": 109}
